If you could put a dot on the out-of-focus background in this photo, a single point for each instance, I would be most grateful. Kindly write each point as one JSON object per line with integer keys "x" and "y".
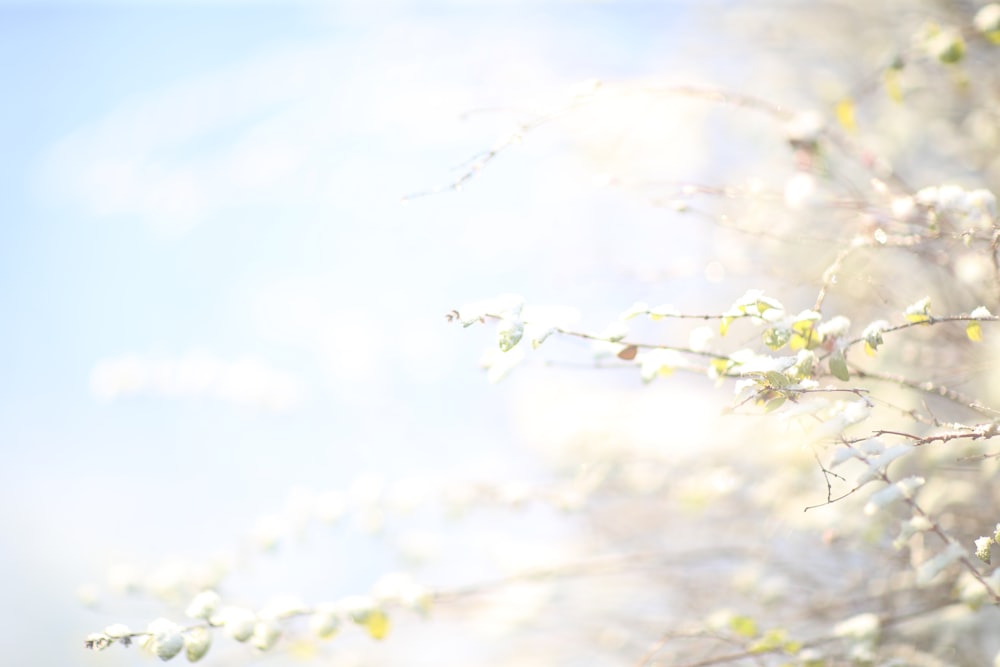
{"x": 213, "y": 295}
{"x": 223, "y": 317}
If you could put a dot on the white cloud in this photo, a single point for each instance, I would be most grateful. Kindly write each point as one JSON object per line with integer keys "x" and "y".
{"x": 291, "y": 125}
{"x": 349, "y": 342}
{"x": 233, "y": 137}
{"x": 334, "y": 127}
{"x": 247, "y": 381}
{"x": 320, "y": 123}
{"x": 358, "y": 346}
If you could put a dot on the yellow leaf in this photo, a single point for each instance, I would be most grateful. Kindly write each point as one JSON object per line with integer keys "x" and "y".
{"x": 845, "y": 114}
{"x": 772, "y": 640}
{"x": 807, "y": 341}
{"x": 791, "y": 647}
{"x": 724, "y": 325}
{"x": 917, "y": 318}
{"x": 302, "y": 650}
{"x": 974, "y": 331}
{"x": 892, "y": 87}
{"x": 744, "y": 626}
{"x": 720, "y": 366}
{"x": 377, "y": 624}
{"x": 869, "y": 350}
{"x": 805, "y": 336}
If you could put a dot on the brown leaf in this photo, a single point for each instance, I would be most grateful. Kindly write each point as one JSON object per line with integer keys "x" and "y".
{"x": 628, "y": 353}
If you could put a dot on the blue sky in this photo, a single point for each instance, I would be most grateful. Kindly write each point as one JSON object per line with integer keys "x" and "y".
{"x": 211, "y": 291}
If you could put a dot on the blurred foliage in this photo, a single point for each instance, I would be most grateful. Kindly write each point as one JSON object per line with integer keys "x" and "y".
{"x": 852, "y": 155}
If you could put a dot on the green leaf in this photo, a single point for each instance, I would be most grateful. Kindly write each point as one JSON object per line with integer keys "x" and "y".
{"x": 509, "y": 334}
{"x": 776, "y": 379}
{"x": 776, "y": 337}
{"x": 804, "y": 362}
{"x": 774, "y": 404}
{"x": 838, "y": 365}
{"x": 948, "y": 46}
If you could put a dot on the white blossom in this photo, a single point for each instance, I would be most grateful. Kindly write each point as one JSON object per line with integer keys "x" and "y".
{"x": 498, "y": 363}
{"x": 801, "y": 191}
{"x": 863, "y": 627}
{"x": 805, "y": 127}
{"x": 932, "y": 567}
{"x": 636, "y": 309}
{"x": 204, "y": 605}
{"x": 615, "y": 331}
{"x": 987, "y": 19}
{"x": 165, "y": 639}
{"x": 984, "y": 545}
{"x": 238, "y": 622}
{"x": 358, "y": 607}
{"x": 658, "y": 362}
{"x": 325, "y": 620}
{"x": 265, "y": 634}
{"x": 835, "y": 327}
{"x": 281, "y": 607}
{"x": 117, "y": 631}
{"x": 981, "y": 311}
{"x": 197, "y": 641}
{"x": 966, "y": 208}
{"x": 907, "y": 529}
{"x": 881, "y": 461}
{"x": 901, "y": 489}
{"x": 904, "y": 209}
{"x": 840, "y": 455}
{"x": 330, "y": 506}
{"x": 505, "y": 305}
